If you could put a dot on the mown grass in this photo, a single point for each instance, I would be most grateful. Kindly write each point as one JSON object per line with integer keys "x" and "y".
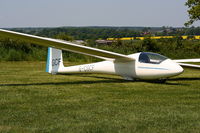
{"x": 34, "y": 101}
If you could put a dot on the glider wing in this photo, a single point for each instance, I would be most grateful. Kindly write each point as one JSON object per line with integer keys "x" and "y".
{"x": 189, "y": 65}
{"x": 187, "y": 60}
{"x": 183, "y": 62}
{"x": 65, "y": 45}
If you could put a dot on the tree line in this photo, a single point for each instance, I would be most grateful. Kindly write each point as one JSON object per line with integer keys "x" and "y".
{"x": 84, "y": 33}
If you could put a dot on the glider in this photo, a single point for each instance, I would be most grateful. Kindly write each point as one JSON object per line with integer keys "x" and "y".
{"x": 143, "y": 65}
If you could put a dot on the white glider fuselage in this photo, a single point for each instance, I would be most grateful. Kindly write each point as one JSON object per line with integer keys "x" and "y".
{"x": 129, "y": 70}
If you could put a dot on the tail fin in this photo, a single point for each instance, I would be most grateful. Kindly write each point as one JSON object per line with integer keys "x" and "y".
{"x": 54, "y": 60}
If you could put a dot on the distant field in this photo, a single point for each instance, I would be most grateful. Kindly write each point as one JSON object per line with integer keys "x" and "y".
{"x": 33, "y": 101}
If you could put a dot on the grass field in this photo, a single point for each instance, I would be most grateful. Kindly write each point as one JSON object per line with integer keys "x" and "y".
{"x": 33, "y": 101}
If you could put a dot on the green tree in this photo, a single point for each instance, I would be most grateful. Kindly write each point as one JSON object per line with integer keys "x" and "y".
{"x": 194, "y": 11}
{"x": 64, "y": 36}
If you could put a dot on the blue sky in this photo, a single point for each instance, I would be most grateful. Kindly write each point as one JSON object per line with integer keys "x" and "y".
{"x": 55, "y": 13}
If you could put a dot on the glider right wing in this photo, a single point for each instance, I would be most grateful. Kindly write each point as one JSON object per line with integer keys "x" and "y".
{"x": 65, "y": 45}
{"x": 183, "y": 62}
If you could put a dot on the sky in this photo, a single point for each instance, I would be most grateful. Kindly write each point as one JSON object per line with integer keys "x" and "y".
{"x": 57, "y": 13}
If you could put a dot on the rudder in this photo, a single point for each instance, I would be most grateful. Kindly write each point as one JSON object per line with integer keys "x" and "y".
{"x": 54, "y": 60}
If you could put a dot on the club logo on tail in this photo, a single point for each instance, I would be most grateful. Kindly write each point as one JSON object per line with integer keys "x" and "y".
{"x": 56, "y": 62}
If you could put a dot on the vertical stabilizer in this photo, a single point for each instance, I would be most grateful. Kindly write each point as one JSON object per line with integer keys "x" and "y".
{"x": 54, "y": 60}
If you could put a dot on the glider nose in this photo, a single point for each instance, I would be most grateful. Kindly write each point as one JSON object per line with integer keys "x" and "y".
{"x": 178, "y": 69}
{"x": 174, "y": 68}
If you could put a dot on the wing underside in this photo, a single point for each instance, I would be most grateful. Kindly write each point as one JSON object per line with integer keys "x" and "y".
{"x": 65, "y": 45}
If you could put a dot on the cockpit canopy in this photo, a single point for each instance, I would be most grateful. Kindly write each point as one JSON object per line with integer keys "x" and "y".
{"x": 153, "y": 58}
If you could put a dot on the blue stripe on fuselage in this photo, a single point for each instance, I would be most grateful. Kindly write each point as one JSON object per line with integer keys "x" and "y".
{"x": 156, "y": 68}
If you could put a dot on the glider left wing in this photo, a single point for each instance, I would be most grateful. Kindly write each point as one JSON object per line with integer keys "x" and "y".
{"x": 65, "y": 45}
